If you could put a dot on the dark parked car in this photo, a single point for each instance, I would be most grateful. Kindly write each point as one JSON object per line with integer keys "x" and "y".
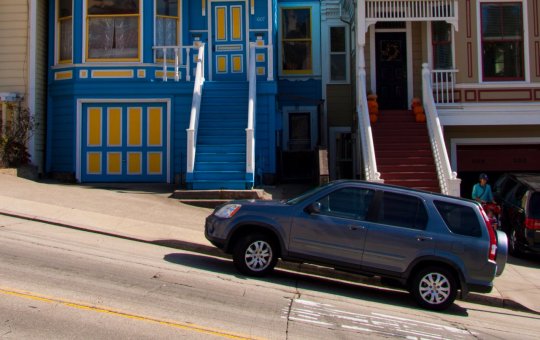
{"x": 433, "y": 244}
{"x": 519, "y": 197}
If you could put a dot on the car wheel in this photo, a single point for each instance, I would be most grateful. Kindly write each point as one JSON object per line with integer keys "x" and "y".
{"x": 434, "y": 288}
{"x": 513, "y": 245}
{"x": 255, "y": 255}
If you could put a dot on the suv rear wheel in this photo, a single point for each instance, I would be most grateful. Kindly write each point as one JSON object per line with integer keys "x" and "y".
{"x": 434, "y": 288}
{"x": 513, "y": 245}
{"x": 255, "y": 255}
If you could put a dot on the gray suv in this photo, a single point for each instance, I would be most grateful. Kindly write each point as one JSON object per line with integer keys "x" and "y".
{"x": 433, "y": 244}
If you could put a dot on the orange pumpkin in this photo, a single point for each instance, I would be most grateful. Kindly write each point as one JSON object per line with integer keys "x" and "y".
{"x": 373, "y": 107}
{"x": 373, "y": 117}
{"x": 420, "y": 118}
{"x": 418, "y": 110}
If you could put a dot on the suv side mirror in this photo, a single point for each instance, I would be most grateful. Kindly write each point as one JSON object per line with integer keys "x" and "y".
{"x": 314, "y": 208}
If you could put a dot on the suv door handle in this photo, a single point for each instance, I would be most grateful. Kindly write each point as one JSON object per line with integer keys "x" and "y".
{"x": 356, "y": 227}
{"x": 423, "y": 238}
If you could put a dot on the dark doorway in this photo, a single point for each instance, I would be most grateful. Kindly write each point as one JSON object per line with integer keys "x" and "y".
{"x": 391, "y": 54}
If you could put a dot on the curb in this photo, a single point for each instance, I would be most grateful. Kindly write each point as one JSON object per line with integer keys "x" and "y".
{"x": 296, "y": 267}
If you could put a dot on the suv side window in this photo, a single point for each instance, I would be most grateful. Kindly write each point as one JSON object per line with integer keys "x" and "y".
{"x": 402, "y": 211}
{"x": 348, "y": 203}
{"x": 460, "y": 219}
{"x": 534, "y": 206}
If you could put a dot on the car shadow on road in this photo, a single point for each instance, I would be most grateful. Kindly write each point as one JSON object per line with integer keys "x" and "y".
{"x": 525, "y": 260}
{"x": 296, "y": 280}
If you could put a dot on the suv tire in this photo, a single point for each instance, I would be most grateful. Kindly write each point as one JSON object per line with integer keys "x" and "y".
{"x": 255, "y": 255}
{"x": 434, "y": 288}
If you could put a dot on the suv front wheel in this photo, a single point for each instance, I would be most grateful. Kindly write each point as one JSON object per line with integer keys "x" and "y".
{"x": 255, "y": 255}
{"x": 434, "y": 288}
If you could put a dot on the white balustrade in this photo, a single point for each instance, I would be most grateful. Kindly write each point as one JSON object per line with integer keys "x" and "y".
{"x": 444, "y": 85}
{"x": 195, "y": 111}
{"x": 399, "y": 10}
{"x": 448, "y": 181}
{"x": 182, "y": 60}
{"x": 252, "y": 115}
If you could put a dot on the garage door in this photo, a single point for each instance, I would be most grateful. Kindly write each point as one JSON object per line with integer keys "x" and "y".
{"x": 124, "y": 142}
{"x": 498, "y": 158}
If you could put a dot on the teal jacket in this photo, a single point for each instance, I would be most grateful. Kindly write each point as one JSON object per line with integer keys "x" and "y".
{"x": 482, "y": 193}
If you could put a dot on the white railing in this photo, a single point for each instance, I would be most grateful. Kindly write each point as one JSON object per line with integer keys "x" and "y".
{"x": 181, "y": 54}
{"x": 399, "y": 10}
{"x": 448, "y": 180}
{"x": 195, "y": 110}
{"x": 252, "y": 115}
{"x": 365, "y": 135}
{"x": 444, "y": 85}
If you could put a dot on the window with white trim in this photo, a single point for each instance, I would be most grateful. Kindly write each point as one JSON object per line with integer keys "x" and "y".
{"x": 339, "y": 50}
{"x": 113, "y": 30}
{"x": 167, "y": 23}
{"x": 65, "y": 31}
{"x": 502, "y": 39}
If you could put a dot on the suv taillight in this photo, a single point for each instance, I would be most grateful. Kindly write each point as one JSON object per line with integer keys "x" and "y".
{"x": 492, "y": 237}
{"x": 532, "y": 223}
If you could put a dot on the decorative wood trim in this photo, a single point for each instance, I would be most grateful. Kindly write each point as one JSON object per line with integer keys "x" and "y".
{"x": 469, "y": 60}
{"x": 527, "y": 95}
{"x": 537, "y": 57}
{"x": 535, "y": 19}
{"x": 470, "y": 95}
{"x": 468, "y": 18}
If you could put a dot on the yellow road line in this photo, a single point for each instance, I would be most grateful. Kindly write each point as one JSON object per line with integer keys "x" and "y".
{"x": 110, "y": 311}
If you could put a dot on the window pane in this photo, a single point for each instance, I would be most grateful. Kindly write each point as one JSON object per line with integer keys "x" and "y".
{"x": 113, "y": 7}
{"x": 402, "y": 211}
{"x": 296, "y": 23}
{"x": 348, "y": 203}
{"x": 115, "y": 37}
{"x": 166, "y": 33}
{"x": 503, "y": 60}
{"x": 66, "y": 40}
{"x": 460, "y": 219}
{"x": 299, "y": 131}
{"x": 491, "y": 20}
{"x": 297, "y": 55}
{"x": 338, "y": 67}
{"x": 65, "y": 8}
{"x": 511, "y": 18}
{"x": 167, "y": 7}
{"x": 337, "y": 39}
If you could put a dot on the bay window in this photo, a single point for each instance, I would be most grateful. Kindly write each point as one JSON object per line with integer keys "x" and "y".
{"x": 113, "y": 30}
{"x": 65, "y": 30}
{"x": 502, "y": 41}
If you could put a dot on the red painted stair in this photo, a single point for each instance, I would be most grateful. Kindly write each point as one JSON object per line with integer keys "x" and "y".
{"x": 403, "y": 151}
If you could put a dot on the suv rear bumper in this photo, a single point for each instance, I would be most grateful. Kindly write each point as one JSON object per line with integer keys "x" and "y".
{"x": 476, "y": 288}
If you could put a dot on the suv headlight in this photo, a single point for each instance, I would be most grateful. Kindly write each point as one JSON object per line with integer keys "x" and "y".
{"x": 228, "y": 210}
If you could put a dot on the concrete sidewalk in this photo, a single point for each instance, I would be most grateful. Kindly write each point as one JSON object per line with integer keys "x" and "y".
{"x": 145, "y": 213}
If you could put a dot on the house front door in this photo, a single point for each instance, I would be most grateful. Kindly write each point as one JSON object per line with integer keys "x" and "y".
{"x": 228, "y": 22}
{"x": 391, "y": 56}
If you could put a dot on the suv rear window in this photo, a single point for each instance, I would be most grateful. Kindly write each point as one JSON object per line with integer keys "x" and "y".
{"x": 460, "y": 219}
{"x": 534, "y": 206}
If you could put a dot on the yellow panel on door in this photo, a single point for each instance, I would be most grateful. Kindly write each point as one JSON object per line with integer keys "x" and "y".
{"x": 154, "y": 126}
{"x": 114, "y": 163}
{"x": 154, "y": 163}
{"x": 114, "y": 126}
{"x": 236, "y": 63}
{"x": 221, "y": 23}
{"x": 221, "y": 61}
{"x": 236, "y": 20}
{"x": 94, "y": 126}
{"x": 93, "y": 163}
{"x": 134, "y": 126}
{"x": 134, "y": 160}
